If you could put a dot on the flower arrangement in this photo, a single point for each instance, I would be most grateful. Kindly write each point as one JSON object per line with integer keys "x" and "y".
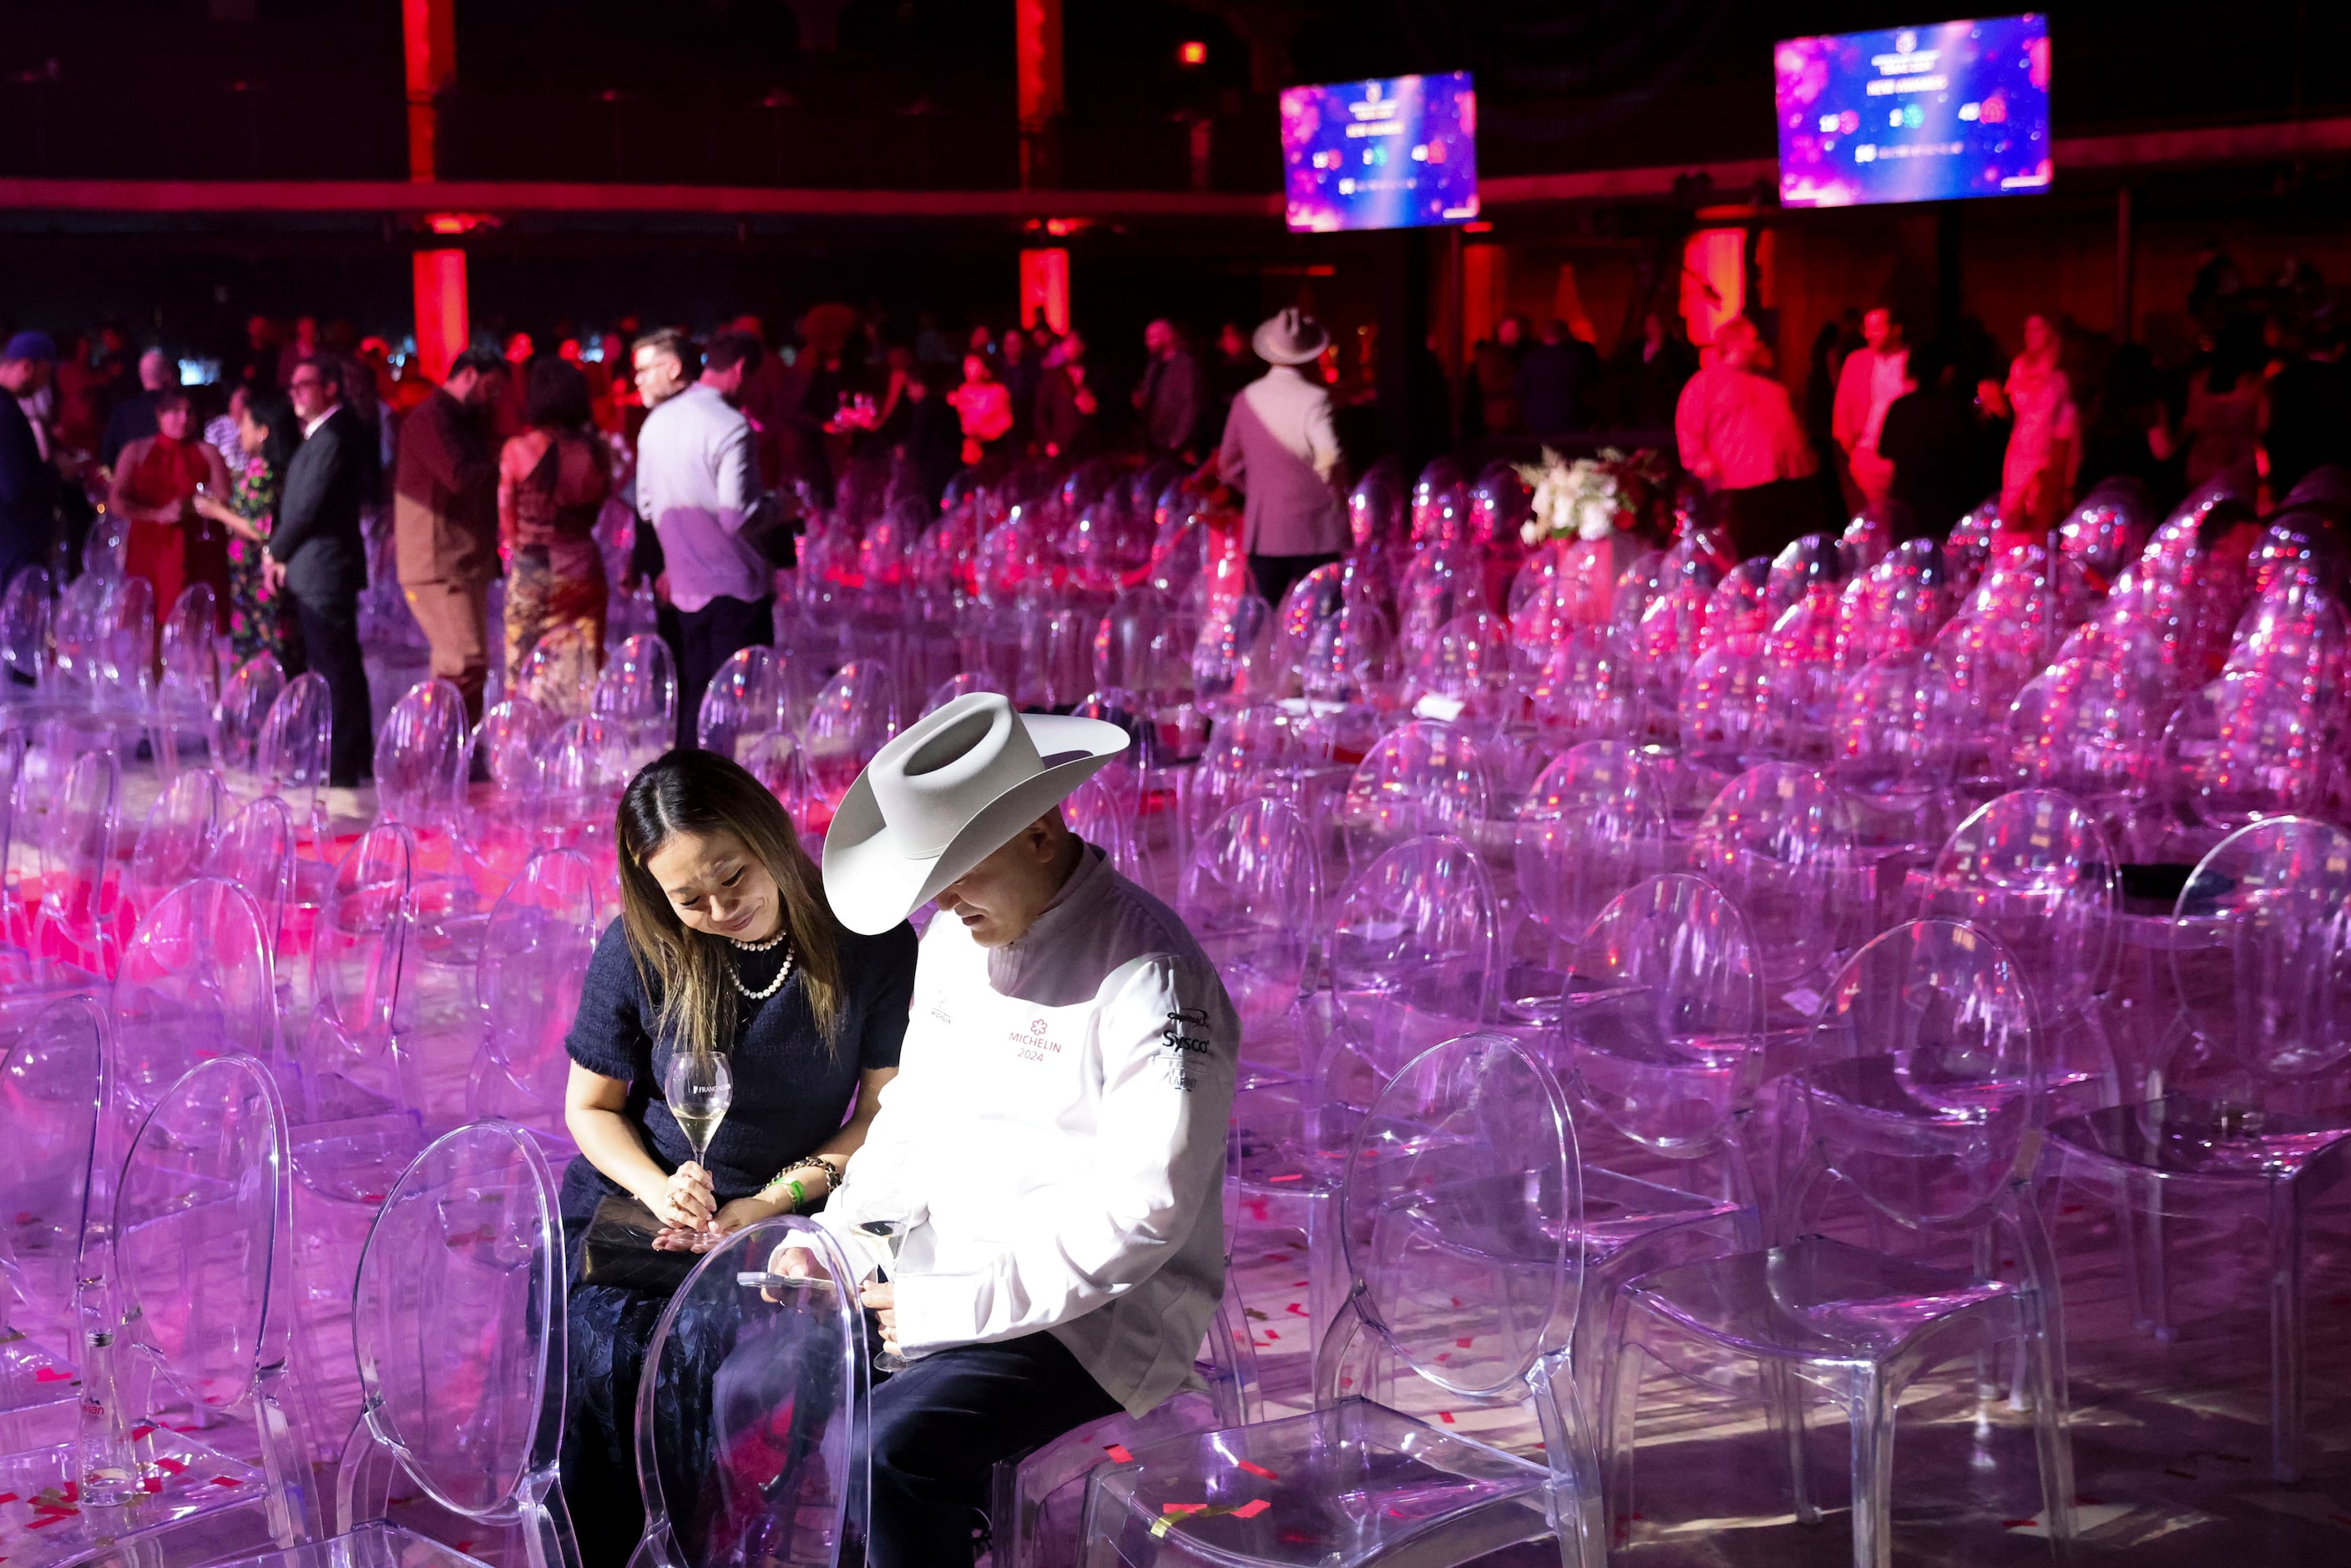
{"x": 1593, "y": 498}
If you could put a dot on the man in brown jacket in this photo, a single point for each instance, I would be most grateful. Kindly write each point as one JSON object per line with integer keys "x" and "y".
{"x": 445, "y": 520}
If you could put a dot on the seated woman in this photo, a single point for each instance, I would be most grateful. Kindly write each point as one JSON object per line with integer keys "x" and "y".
{"x": 725, "y": 944}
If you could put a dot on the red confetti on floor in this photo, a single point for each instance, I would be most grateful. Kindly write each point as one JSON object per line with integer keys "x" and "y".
{"x": 1250, "y": 1509}
{"x": 1257, "y": 1470}
{"x": 1117, "y": 1451}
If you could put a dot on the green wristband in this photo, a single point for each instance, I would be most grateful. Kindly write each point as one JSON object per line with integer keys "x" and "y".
{"x": 800, "y": 1196}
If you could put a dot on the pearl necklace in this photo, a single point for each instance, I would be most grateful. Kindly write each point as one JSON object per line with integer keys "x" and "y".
{"x": 772, "y": 986}
{"x": 783, "y": 934}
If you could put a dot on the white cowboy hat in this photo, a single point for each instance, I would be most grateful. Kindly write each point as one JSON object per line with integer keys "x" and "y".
{"x": 1292, "y": 338}
{"x": 945, "y": 794}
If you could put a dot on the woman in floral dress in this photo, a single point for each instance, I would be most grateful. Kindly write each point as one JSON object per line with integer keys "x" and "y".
{"x": 267, "y": 433}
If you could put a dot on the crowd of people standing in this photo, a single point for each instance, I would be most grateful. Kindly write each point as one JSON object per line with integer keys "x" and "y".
{"x": 329, "y": 461}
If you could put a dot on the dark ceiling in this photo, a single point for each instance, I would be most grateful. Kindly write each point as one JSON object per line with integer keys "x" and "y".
{"x": 921, "y": 92}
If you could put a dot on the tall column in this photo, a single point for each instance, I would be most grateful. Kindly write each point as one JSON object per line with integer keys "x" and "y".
{"x": 429, "y": 37}
{"x": 428, "y": 32}
{"x": 1037, "y": 49}
{"x": 2124, "y": 245}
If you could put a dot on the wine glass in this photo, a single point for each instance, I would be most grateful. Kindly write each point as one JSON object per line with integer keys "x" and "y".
{"x": 699, "y": 1086}
{"x": 892, "y": 1233}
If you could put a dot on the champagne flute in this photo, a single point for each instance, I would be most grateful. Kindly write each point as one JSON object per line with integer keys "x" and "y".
{"x": 699, "y": 1086}
{"x": 892, "y": 1233}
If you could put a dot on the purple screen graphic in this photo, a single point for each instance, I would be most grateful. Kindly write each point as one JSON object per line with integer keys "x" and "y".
{"x": 1391, "y": 154}
{"x": 1915, "y": 114}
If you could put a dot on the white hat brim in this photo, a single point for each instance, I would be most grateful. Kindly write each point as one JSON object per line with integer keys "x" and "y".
{"x": 1273, "y": 351}
{"x": 873, "y": 884}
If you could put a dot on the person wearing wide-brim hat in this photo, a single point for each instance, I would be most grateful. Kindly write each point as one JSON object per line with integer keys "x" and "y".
{"x": 1053, "y": 1145}
{"x": 1280, "y": 448}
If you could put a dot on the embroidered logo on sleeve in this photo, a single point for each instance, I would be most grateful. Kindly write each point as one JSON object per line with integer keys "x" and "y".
{"x": 1181, "y": 1047}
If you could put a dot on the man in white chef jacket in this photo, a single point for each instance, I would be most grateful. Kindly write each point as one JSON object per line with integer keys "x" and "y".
{"x": 1054, "y": 1140}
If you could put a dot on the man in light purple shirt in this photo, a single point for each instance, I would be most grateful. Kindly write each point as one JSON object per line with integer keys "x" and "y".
{"x": 698, "y": 486}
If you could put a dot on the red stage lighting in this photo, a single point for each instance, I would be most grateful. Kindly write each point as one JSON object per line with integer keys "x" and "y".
{"x": 1192, "y": 52}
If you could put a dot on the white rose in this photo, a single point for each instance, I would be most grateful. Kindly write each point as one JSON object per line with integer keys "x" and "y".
{"x": 1596, "y": 518}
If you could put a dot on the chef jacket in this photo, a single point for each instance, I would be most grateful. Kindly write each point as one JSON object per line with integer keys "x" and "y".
{"x": 1055, "y": 1140}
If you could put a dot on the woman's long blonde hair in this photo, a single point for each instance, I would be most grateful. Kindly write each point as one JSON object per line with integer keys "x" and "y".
{"x": 701, "y": 792}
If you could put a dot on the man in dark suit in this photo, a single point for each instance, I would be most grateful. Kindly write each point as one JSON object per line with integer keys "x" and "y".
{"x": 318, "y": 557}
{"x": 28, "y": 481}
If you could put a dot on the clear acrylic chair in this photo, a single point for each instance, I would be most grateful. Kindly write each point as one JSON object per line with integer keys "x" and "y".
{"x": 420, "y": 758}
{"x": 1463, "y": 675}
{"x": 196, "y": 983}
{"x": 751, "y": 1420}
{"x": 1252, "y": 895}
{"x": 2251, "y": 1087}
{"x": 743, "y": 698}
{"x": 1415, "y": 949}
{"x": 1663, "y": 1022}
{"x": 1037, "y": 1512}
{"x": 560, "y": 675}
{"x": 1922, "y": 1088}
{"x": 292, "y": 758}
{"x": 458, "y": 1321}
{"x": 637, "y": 693}
{"x": 193, "y": 1329}
{"x": 1423, "y": 776}
{"x": 1780, "y": 842}
{"x": 188, "y": 680}
{"x": 1253, "y": 751}
{"x": 348, "y": 1064}
{"x": 500, "y": 819}
{"x": 1593, "y": 825}
{"x": 855, "y": 714}
{"x": 26, "y": 611}
{"x": 1591, "y": 688}
{"x": 534, "y": 964}
{"x": 1898, "y": 746}
{"x": 1463, "y": 1205}
{"x": 255, "y": 849}
{"x": 52, "y": 1089}
{"x": 2034, "y": 868}
{"x": 74, "y": 936}
{"x": 1723, "y": 712}
{"x": 174, "y": 841}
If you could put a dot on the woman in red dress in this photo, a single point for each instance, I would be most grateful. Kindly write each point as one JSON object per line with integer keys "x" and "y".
{"x": 156, "y": 480}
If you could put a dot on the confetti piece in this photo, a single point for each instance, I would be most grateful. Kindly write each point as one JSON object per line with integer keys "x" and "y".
{"x": 1252, "y": 1509}
{"x": 1296, "y": 1308}
{"x": 8, "y": 1497}
{"x": 47, "y": 1519}
{"x": 1290, "y": 1175}
{"x": 1272, "y": 1335}
{"x": 1446, "y": 1416}
{"x": 227, "y": 1481}
{"x": 172, "y": 1466}
{"x": 139, "y": 1432}
{"x": 51, "y": 1375}
{"x": 1257, "y": 1470}
{"x": 1117, "y": 1451}
{"x": 1465, "y": 1344}
{"x": 2016, "y": 1523}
